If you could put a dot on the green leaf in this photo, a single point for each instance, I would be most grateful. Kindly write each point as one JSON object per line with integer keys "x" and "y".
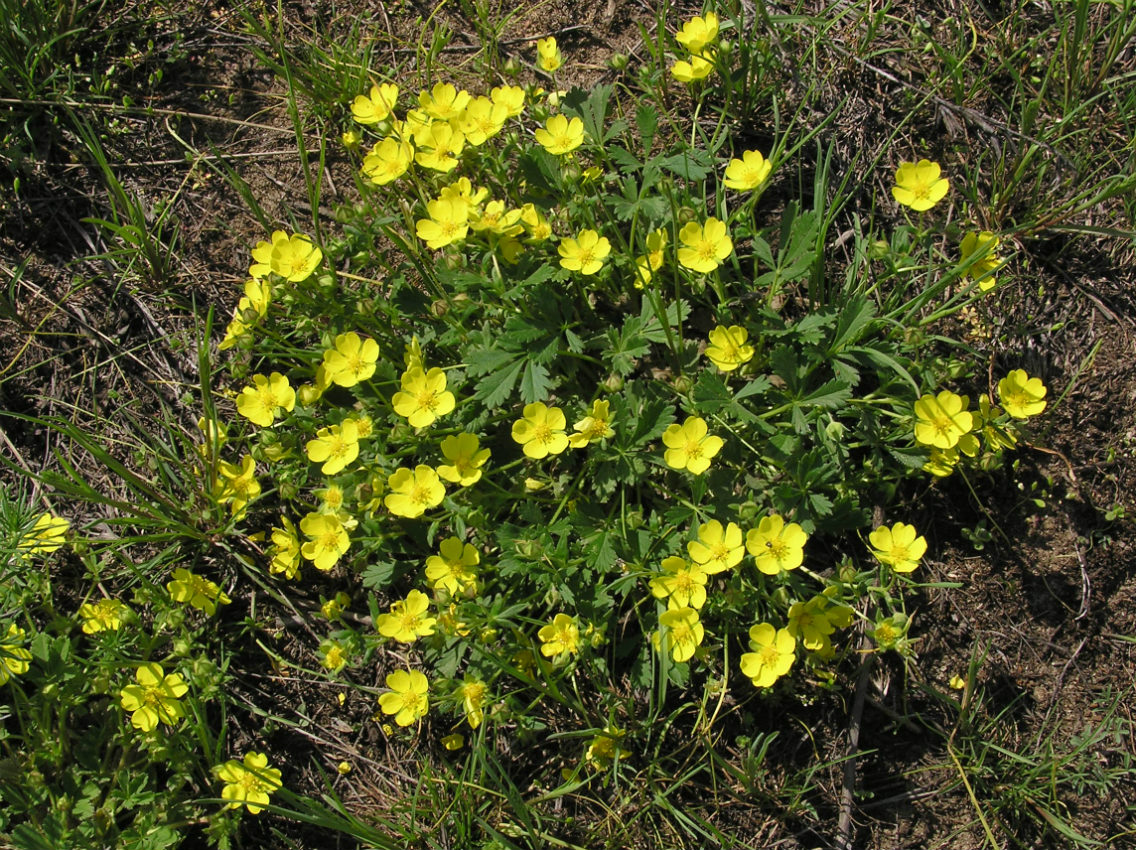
{"x": 833, "y": 394}
{"x": 498, "y": 386}
{"x": 647, "y": 120}
{"x": 377, "y": 575}
{"x": 693, "y": 165}
{"x": 486, "y": 360}
{"x": 534, "y": 383}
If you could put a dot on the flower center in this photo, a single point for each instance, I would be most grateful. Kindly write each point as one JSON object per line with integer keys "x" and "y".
{"x": 419, "y": 495}
{"x": 769, "y": 655}
{"x": 693, "y": 449}
{"x": 706, "y": 250}
{"x": 426, "y": 400}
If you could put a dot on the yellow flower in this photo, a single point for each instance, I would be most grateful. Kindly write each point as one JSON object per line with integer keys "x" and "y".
{"x": 413, "y": 492}
{"x": 238, "y": 485}
{"x": 452, "y": 570}
{"x": 728, "y": 349}
{"x": 462, "y": 191}
{"x": 717, "y": 549}
{"x": 47, "y": 534}
{"x": 466, "y": 458}
{"x": 681, "y": 583}
{"x": 331, "y": 498}
{"x": 560, "y": 136}
{"x": 773, "y": 653}
{"x": 775, "y": 546}
{"x": 261, "y": 402}
{"x": 335, "y": 446}
{"x": 942, "y": 420}
{"x": 548, "y": 56}
{"x": 249, "y": 782}
{"x": 351, "y": 360}
{"x": 14, "y": 658}
{"x": 473, "y": 693}
{"x": 249, "y": 310}
{"x": 387, "y": 161}
{"x": 444, "y": 101}
{"x": 351, "y": 139}
{"x": 495, "y": 219}
{"x": 1021, "y": 395}
{"x": 285, "y": 550}
{"x": 376, "y": 107}
{"x": 198, "y": 591}
{"x": 942, "y": 462}
{"x": 689, "y": 447}
{"x": 332, "y": 609}
{"x": 681, "y": 633}
{"x": 106, "y": 615}
{"x": 656, "y": 246}
{"x": 898, "y": 546}
{"x": 984, "y": 244}
{"x": 333, "y": 656}
{"x": 584, "y": 254}
{"x": 890, "y": 632}
{"x": 535, "y": 223}
{"x": 559, "y": 637}
{"x": 957, "y": 682}
{"x": 408, "y": 698}
{"x": 747, "y": 173}
{"x": 154, "y": 698}
{"x": 595, "y": 426}
{"x": 642, "y": 272}
{"x": 809, "y": 624}
{"x": 423, "y": 397}
{"x": 918, "y": 185}
{"x": 327, "y": 540}
{"x": 540, "y": 431}
{"x": 482, "y": 120}
{"x": 704, "y": 246}
{"x": 292, "y": 257}
{"x": 698, "y": 68}
{"x": 448, "y": 223}
{"x": 698, "y": 32}
{"x": 605, "y": 748}
{"x": 511, "y": 97}
{"x": 438, "y": 146}
{"x": 406, "y": 621}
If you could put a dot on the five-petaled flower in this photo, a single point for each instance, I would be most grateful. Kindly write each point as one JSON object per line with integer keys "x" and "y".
{"x": 540, "y": 430}
{"x": 408, "y": 698}
{"x": 412, "y": 492}
{"x": 728, "y": 348}
{"x": 775, "y": 546}
{"x": 388, "y": 160}
{"x": 705, "y": 246}
{"x": 14, "y": 657}
{"x": 249, "y": 782}
{"x": 376, "y": 107}
{"x": 698, "y": 32}
{"x": 407, "y": 620}
{"x": 448, "y": 222}
{"x": 423, "y": 397}
{"x": 292, "y": 257}
{"x": 444, "y": 101}
{"x": 1021, "y": 395}
{"x": 983, "y": 247}
{"x": 773, "y": 653}
{"x": 681, "y": 583}
{"x": 47, "y": 534}
{"x": 560, "y": 637}
{"x": 262, "y": 402}
{"x": 327, "y": 540}
{"x": 689, "y": 447}
{"x": 899, "y": 546}
{"x": 584, "y": 254}
{"x": 335, "y": 446}
{"x": 465, "y": 456}
{"x": 198, "y": 591}
{"x": 717, "y": 549}
{"x": 106, "y": 615}
{"x": 154, "y": 698}
{"x": 681, "y": 633}
{"x": 698, "y": 68}
{"x": 560, "y": 136}
{"x": 747, "y": 173}
{"x": 919, "y": 185}
{"x": 593, "y": 427}
{"x": 942, "y": 420}
{"x": 473, "y": 693}
{"x": 452, "y": 569}
{"x": 351, "y": 360}
{"x": 548, "y": 56}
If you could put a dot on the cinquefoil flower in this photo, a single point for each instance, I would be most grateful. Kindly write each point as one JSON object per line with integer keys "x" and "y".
{"x": 292, "y": 257}
{"x": 681, "y": 583}
{"x": 717, "y": 549}
{"x": 681, "y": 633}
{"x": 452, "y": 569}
{"x": 918, "y": 185}
{"x": 106, "y": 615}
{"x": 728, "y": 348}
{"x": 1021, "y": 395}
{"x": 408, "y": 699}
{"x": 351, "y": 359}
{"x": 249, "y": 783}
{"x": 942, "y": 420}
{"x": 540, "y": 431}
{"x": 465, "y": 456}
{"x": 423, "y": 397}
{"x": 261, "y": 403}
{"x": 773, "y": 653}
{"x": 698, "y": 32}
{"x": 412, "y": 493}
{"x": 197, "y": 591}
{"x": 377, "y": 106}
{"x": 560, "y": 136}
{"x": 548, "y": 56}
{"x": 154, "y": 698}
{"x": 775, "y": 546}
{"x": 560, "y": 637}
{"x": 407, "y": 620}
{"x": 747, "y": 173}
{"x": 689, "y": 447}
{"x": 584, "y": 254}
{"x": 705, "y": 246}
{"x": 327, "y": 540}
{"x": 985, "y": 245}
{"x": 899, "y": 546}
